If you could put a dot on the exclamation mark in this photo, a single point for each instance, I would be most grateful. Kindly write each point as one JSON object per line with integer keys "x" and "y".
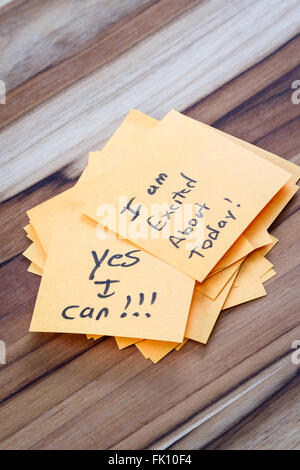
{"x": 142, "y": 297}
{"x": 153, "y": 299}
{"x": 154, "y": 295}
{"x": 226, "y": 199}
{"x": 124, "y": 314}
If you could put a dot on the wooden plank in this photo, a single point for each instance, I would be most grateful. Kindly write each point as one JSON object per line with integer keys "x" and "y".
{"x": 174, "y": 74}
{"x": 41, "y": 34}
{"x": 247, "y": 85}
{"x": 104, "y": 47}
{"x": 6, "y": 5}
{"x": 227, "y": 411}
{"x": 279, "y": 414}
{"x": 283, "y": 111}
{"x": 284, "y": 139}
{"x": 102, "y": 381}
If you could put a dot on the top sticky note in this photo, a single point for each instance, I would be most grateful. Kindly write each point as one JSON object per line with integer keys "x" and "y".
{"x": 181, "y": 168}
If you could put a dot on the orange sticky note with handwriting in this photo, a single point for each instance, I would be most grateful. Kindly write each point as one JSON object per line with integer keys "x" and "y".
{"x": 183, "y": 166}
{"x": 106, "y": 286}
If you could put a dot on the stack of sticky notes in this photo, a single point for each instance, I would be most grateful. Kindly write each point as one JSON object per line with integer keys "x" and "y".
{"x": 166, "y": 227}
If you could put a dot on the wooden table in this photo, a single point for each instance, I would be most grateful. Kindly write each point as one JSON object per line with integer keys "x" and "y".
{"x": 72, "y": 71}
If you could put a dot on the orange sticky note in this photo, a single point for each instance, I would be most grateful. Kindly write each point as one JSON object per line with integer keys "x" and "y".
{"x": 241, "y": 248}
{"x": 35, "y": 254}
{"x": 257, "y": 238}
{"x": 267, "y": 276}
{"x": 180, "y": 164}
{"x": 155, "y": 350}
{"x": 95, "y": 337}
{"x": 31, "y": 234}
{"x": 269, "y": 213}
{"x": 265, "y": 249}
{"x": 212, "y": 286}
{"x": 261, "y": 264}
{"x": 204, "y": 313}
{"x": 247, "y": 286}
{"x": 34, "y": 269}
{"x": 108, "y": 287}
{"x": 181, "y": 345}
{"x": 125, "y": 342}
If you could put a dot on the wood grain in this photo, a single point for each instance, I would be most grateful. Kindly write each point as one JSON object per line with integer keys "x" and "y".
{"x": 62, "y": 391}
{"x": 6, "y": 5}
{"x": 254, "y": 431}
{"x": 62, "y": 30}
{"x": 104, "y": 47}
{"x": 227, "y": 411}
{"x": 208, "y": 54}
{"x": 249, "y": 84}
